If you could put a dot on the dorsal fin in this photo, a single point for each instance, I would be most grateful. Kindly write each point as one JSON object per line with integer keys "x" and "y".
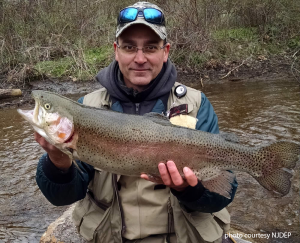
{"x": 230, "y": 137}
{"x": 158, "y": 118}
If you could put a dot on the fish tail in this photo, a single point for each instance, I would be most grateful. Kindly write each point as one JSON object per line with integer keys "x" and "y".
{"x": 278, "y": 161}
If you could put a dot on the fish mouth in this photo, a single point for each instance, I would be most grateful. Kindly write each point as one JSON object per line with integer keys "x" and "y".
{"x": 70, "y": 139}
{"x": 26, "y": 114}
{"x": 32, "y": 116}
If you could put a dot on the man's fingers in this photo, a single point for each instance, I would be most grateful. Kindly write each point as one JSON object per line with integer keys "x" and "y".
{"x": 49, "y": 148}
{"x": 174, "y": 173}
{"x": 171, "y": 177}
{"x": 190, "y": 177}
{"x": 164, "y": 174}
{"x": 37, "y": 137}
{"x": 151, "y": 178}
{"x": 40, "y": 139}
{"x": 144, "y": 176}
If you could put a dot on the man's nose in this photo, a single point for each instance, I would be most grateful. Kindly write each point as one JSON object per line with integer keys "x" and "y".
{"x": 140, "y": 57}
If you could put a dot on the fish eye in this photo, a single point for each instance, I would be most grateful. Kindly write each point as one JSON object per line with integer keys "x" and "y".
{"x": 47, "y": 106}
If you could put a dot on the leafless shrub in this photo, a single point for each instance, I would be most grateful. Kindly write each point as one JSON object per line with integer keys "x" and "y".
{"x": 295, "y": 67}
{"x": 23, "y": 73}
{"x": 41, "y": 30}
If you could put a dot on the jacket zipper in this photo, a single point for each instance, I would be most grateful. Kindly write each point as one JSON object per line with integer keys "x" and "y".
{"x": 119, "y": 203}
{"x": 137, "y": 108}
{"x": 102, "y": 205}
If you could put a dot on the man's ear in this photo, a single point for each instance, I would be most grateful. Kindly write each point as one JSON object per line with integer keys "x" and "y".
{"x": 116, "y": 51}
{"x": 166, "y": 52}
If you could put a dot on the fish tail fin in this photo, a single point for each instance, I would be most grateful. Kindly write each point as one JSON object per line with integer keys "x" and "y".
{"x": 278, "y": 159}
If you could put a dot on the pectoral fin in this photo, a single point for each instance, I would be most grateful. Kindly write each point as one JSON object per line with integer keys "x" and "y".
{"x": 77, "y": 166}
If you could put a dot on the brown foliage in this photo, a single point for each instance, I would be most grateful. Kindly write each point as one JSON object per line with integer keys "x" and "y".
{"x": 37, "y": 30}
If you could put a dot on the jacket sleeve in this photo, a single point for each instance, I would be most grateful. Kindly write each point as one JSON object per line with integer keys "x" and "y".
{"x": 63, "y": 188}
{"x": 199, "y": 198}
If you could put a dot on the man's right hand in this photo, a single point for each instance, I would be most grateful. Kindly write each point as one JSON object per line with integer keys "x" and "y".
{"x": 58, "y": 158}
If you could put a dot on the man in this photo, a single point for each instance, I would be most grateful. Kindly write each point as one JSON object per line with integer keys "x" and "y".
{"x": 114, "y": 208}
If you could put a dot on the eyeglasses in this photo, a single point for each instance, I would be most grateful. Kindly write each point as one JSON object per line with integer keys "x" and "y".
{"x": 151, "y": 15}
{"x": 147, "y": 50}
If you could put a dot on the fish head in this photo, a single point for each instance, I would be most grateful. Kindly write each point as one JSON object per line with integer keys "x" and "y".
{"x": 51, "y": 117}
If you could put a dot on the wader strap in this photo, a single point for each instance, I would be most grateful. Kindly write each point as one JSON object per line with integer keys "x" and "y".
{"x": 170, "y": 220}
{"x": 115, "y": 185}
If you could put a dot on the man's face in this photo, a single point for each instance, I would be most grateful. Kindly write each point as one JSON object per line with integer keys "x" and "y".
{"x": 139, "y": 69}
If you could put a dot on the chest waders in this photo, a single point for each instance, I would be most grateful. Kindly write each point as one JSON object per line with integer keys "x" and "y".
{"x": 99, "y": 217}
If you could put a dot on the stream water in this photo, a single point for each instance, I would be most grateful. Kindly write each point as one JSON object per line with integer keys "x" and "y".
{"x": 258, "y": 112}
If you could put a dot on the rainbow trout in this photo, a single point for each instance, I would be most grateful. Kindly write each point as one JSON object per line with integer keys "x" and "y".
{"x": 130, "y": 145}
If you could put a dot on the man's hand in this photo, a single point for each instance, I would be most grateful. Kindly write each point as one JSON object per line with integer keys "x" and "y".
{"x": 171, "y": 177}
{"x": 58, "y": 158}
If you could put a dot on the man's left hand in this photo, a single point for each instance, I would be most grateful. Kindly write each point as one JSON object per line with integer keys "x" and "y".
{"x": 171, "y": 177}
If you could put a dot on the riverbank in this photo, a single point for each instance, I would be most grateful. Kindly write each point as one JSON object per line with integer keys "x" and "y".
{"x": 214, "y": 40}
{"x": 260, "y": 68}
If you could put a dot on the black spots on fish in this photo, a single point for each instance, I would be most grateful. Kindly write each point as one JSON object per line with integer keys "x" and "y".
{"x": 196, "y": 172}
{"x": 134, "y": 140}
{"x": 209, "y": 173}
{"x": 131, "y": 162}
{"x": 135, "y": 130}
{"x": 90, "y": 130}
{"x": 122, "y": 137}
{"x": 284, "y": 147}
{"x": 193, "y": 142}
{"x": 178, "y": 142}
{"x": 109, "y": 136}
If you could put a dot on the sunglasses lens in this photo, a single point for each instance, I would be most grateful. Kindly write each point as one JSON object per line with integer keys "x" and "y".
{"x": 153, "y": 15}
{"x": 128, "y": 15}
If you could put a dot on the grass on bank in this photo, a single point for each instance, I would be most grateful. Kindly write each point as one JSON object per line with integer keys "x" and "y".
{"x": 235, "y": 45}
{"x": 227, "y": 45}
{"x": 74, "y": 38}
{"x": 80, "y": 65}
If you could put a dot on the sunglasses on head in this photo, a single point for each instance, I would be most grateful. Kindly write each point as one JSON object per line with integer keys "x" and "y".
{"x": 151, "y": 15}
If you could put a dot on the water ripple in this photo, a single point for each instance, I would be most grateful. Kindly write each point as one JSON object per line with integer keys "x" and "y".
{"x": 25, "y": 213}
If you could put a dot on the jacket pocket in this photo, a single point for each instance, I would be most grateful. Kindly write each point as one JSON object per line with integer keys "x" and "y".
{"x": 223, "y": 219}
{"x": 205, "y": 225}
{"x": 90, "y": 217}
{"x": 184, "y": 120}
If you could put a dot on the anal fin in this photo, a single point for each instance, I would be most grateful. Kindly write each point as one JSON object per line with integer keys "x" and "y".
{"x": 217, "y": 181}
